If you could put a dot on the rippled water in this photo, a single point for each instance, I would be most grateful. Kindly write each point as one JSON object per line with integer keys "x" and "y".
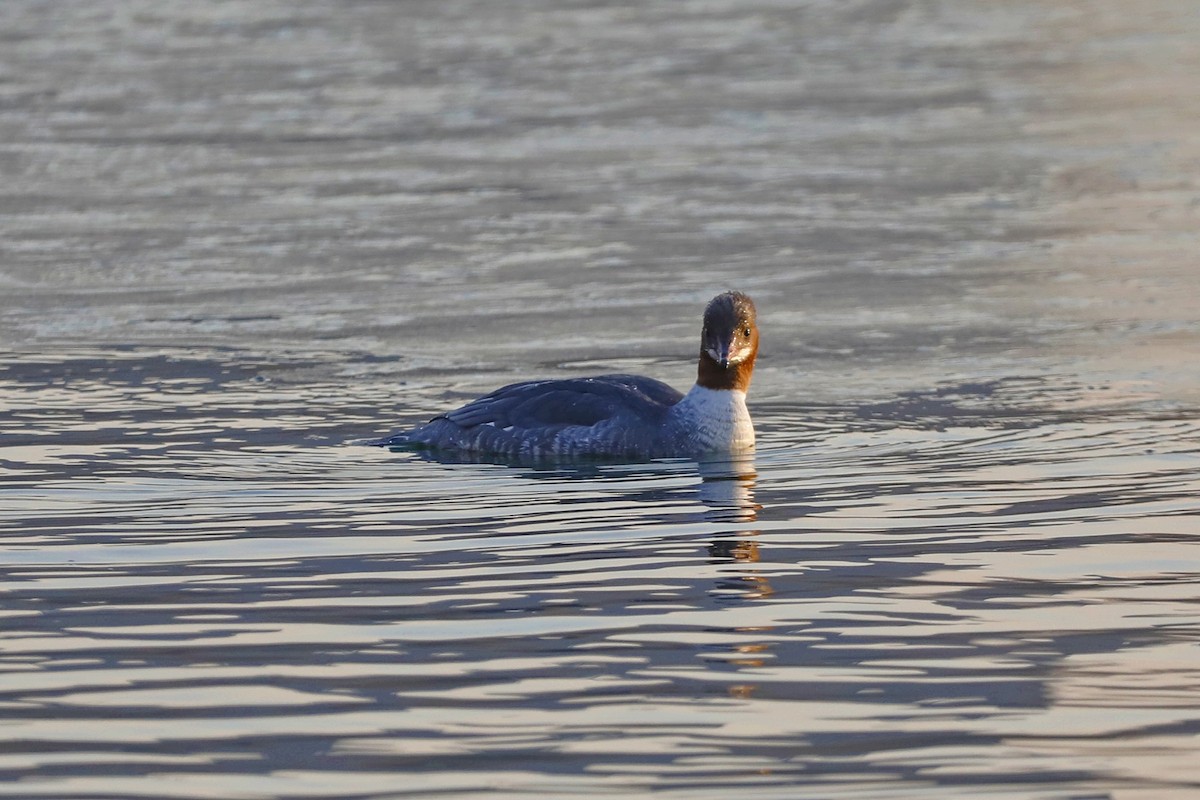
{"x": 240, "y": 240}
{"x": 898, "y": 601}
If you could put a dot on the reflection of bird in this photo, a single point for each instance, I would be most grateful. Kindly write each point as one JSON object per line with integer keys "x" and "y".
{"x": 727, "y": 488}
{"x": 616, "y": 415}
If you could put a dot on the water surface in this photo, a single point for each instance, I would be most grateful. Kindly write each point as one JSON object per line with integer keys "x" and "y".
{"x": 240, "y": 240}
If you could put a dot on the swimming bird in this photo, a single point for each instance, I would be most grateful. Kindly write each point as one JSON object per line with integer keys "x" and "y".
{"x": 623, "y": 416}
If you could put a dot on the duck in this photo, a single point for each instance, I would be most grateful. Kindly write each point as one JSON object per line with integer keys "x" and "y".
{"x": 614, "y": 416}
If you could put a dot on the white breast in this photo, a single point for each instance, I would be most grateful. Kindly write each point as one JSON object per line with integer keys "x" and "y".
{"x": 715, "y": 420}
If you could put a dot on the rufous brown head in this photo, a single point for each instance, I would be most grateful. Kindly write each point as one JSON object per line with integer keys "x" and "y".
{"x": 728, "y": 342}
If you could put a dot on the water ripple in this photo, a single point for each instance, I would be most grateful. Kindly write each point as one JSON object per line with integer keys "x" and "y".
{"x": 919, "y": 599}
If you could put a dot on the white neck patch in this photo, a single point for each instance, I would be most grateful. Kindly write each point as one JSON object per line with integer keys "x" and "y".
{"x": 716, "y": 420}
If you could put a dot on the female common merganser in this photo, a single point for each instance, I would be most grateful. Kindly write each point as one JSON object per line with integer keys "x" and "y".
{"x": 615, "y": 415}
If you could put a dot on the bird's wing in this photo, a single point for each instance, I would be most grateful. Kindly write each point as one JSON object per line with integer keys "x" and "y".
{"x": 577, "y": 401}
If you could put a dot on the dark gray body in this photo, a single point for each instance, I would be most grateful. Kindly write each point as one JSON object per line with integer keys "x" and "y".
{"x": 608, "y": 415}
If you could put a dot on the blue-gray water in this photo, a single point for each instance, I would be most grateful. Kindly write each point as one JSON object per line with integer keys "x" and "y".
{"x": 238, "y": 239}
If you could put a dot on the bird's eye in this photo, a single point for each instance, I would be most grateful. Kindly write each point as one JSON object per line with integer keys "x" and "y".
{"x": 746, "y": 332}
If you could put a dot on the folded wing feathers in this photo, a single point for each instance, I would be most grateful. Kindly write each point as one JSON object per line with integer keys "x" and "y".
{"x": 582, "y": 401}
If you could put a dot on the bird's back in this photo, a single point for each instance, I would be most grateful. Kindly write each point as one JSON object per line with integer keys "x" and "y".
{"x": 604, "y": 415}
